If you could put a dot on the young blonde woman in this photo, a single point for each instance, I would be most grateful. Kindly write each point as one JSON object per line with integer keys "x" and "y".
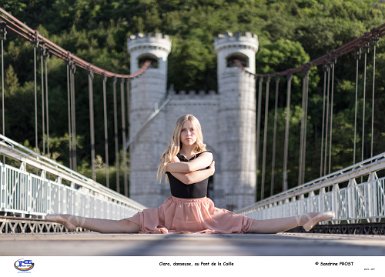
{"x": 188, "y": 165}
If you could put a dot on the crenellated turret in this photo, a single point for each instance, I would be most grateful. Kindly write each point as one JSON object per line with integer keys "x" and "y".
{"x": 147, "y": 93}
{"x": 236, "y": 117}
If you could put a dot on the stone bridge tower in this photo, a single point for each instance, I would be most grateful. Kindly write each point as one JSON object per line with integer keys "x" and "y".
{"x": 237, "y": 117}
{"x": 147, "y": 93}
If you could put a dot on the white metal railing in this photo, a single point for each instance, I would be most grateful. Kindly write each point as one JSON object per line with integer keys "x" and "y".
{"x": 339, "y": 192}
{"x": 27, "y": 193}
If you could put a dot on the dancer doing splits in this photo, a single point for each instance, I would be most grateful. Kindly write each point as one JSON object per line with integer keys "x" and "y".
{"x": 188, "y": 165}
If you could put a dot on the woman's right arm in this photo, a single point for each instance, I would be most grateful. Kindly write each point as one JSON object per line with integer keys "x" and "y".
{"x": 196, "y": 176}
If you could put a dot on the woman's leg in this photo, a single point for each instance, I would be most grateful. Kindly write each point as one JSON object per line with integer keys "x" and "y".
{"x": 94, "y": 224}
{"x": 276, "y": 225}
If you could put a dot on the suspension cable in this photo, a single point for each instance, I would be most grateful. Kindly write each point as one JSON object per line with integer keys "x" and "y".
{"x": 373, "y": 94}
{"x": 123, "y": 115}
{"x": 348, "y": 47}
{"x": 305, "y": 125}
{"x": 35, "y": 90}
{"x": 358, "y": 55}
{"x": 258, "y": 133}
{"x": 274, "y": 136}
{"x": 117, "y": 166}
{"x": 42, "y": 98}
{"x": 301, "y": 134}
{"x": 46, "y": 55}
{"x": 31, "y": 35}
{"x": 331, "y": 118}
{"x": 73, "y": 116}
{"x": 69, "y": 114}
{"x": 287, "y": 127}
{"x": 92, "y": 125}
{"x": 128, "y": 107}
{"x": 302, "y": 148}
{"x": 363, "y": 106}
{"x": 3, "y": 36}
{"x": 106, "y": 132}
{"x": 265, "y": 127}
{"x": 327, "y": 119}
{"x": 323, "y": 121}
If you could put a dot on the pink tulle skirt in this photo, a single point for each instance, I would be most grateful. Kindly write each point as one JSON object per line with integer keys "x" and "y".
{"x": 198, "y": 215}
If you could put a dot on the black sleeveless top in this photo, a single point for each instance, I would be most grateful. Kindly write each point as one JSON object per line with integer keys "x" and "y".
{"x": 181, "y": 190}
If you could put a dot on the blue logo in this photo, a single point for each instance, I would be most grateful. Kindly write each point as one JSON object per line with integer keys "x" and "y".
{"x": 24, "y": 265}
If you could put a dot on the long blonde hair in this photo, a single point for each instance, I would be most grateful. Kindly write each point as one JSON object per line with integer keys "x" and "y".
{"x": 175, "y": 145}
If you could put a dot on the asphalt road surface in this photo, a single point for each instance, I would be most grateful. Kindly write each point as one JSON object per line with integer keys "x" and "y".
{"x": 283, "y": 244}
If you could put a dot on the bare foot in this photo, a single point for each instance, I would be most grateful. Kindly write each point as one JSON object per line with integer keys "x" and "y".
{"x": 67, "y": 220}
{"x": 309, "y": 220}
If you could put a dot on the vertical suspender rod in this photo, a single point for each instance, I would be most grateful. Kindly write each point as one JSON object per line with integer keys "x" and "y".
{"x": 106, "y": 156}
{"x": 285, "y": 185}
{"x": 117, "y": 165}
{"x": 274, "y": 137}
{"x": 264, "y": 149}
{"x": 92, "y": 127}
{"x": 258, "y": 134}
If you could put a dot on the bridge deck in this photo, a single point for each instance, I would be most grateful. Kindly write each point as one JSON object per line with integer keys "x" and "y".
{"x": 284, "y": 244}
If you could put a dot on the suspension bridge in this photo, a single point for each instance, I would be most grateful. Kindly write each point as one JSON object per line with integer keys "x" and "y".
{"x": 33, "y": 184}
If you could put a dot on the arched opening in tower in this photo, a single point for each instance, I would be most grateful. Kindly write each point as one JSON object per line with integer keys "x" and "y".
{"x": 148, "y": 57}
{"x": 237, "y": 60}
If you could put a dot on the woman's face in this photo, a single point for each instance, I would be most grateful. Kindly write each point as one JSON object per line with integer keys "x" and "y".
{"x": 188, "y": 134}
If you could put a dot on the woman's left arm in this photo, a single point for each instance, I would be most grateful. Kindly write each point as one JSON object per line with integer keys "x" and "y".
{"x": 203, "y": 161}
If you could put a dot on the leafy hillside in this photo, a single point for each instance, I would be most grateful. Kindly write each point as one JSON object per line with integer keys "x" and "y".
{"x": 290, "y": 32}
